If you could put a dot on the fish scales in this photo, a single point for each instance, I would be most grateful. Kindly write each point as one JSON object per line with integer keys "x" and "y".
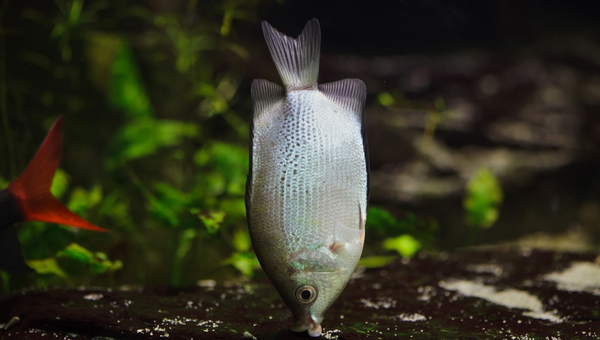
{"x": 311, "y": 170}
{"x": 306, "y": 196}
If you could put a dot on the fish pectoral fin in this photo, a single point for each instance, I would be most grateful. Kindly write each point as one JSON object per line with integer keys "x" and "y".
{"x": 316, "y": 260}
{"x": 344, "y": 234}
{"x": 349, "y": 94}
{"x": 335, "y": 246}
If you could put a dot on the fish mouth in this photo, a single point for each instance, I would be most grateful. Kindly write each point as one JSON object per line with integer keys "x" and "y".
{"x": 313, "y": 328}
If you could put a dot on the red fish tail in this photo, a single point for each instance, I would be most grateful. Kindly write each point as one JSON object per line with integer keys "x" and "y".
{"x": 32, "y": 188}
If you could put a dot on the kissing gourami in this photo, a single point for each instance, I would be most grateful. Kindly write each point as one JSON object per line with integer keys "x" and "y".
{"x": 306, "y": 194}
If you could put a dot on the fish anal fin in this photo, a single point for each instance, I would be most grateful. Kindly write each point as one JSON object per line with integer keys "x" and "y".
{"x": 349, "y": 94}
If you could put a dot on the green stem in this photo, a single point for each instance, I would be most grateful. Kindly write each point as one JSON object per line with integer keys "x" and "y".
{"x": 5, "y": 281}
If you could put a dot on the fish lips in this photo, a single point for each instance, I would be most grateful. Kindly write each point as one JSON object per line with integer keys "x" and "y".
{"x": 309, "y": 324}
{"x": 308, "y": 317}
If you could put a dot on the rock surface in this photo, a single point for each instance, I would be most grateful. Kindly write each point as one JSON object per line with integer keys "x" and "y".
{"x": 476, "y": 294}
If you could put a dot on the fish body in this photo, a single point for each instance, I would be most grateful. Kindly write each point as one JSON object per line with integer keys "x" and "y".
{"x": 306, "y": 196}
{"x": 29, "y": 199}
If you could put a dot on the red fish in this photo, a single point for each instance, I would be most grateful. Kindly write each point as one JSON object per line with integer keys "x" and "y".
{"x": 29, "y": 199}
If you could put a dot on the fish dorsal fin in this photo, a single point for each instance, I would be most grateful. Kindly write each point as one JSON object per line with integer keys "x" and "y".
{"x": 297, "y": 60}
{"x": 350, "y": 94}
{"x": 265, "y": 95}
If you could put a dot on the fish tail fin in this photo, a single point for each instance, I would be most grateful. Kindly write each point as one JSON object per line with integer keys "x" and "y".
{"x": 297, "y": 60}
{"x": 32, "y": 187}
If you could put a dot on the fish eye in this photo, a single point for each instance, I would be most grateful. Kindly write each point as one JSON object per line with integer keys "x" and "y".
{"x": 306, "y": 294}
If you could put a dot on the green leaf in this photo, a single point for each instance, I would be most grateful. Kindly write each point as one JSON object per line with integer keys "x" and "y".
{"x": 76, "y": 252}
{"x": 143, "y": 137}
{"x": 212, "y": 220}
{"x": 97, "y": 262}
{"x": 103, "y": 265}
{"x": 385, "y": 99}
{"x": 75, "y": 12}
{"x": 165, "y": 213}
{"x": 380, "y": 219}
{"x": 100, "y": 52}
{"x": 235, "y": 207}
{"x": 47, "y": 266}
{"x": 406, "y": 245}
{"x": 241, "y": 240}
{"x": 5, "y": 281}
{"x": 171, "y": 195}
{"x": 60, "y": 183}
{"x": 3, "y": 183}
{"x": 483, "y": 199}
{"x": 230, "y": 161}
{"x": 185, "y": 242}
{"x": 170, "y": 203}
{"x": 376, "y": 261}
{"x": 245, "y": 262}
{"x": 382, "y": 222}
{"x": 125, "y": 89}
{"x": 82, "y": 200}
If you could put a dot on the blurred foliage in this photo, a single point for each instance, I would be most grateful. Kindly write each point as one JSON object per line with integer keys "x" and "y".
{"x": 435, "y": 111}
{"x": 156, "y": 109}
{"x": 376, "y": 261}
{"x": 482, "y": 200}
{"x": 125, "y": 90}
{"x": 60, "y": 183}
{"x": 404, "y": 236}
{"x": 381, "y": 223}
{"x": 76, "y": 260}
{"x": 405, "y": 244}
{"x": 155, "y": 145}
{"x": 435, "y": 116}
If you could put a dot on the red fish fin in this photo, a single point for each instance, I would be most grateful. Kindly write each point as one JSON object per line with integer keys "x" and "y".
{"x": 32, "y": 188}
{"x": 36, "y": 179}
{"x": 48, "y": 209}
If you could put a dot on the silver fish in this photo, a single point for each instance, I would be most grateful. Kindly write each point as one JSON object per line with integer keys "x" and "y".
{"x": 306, "y": 195}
